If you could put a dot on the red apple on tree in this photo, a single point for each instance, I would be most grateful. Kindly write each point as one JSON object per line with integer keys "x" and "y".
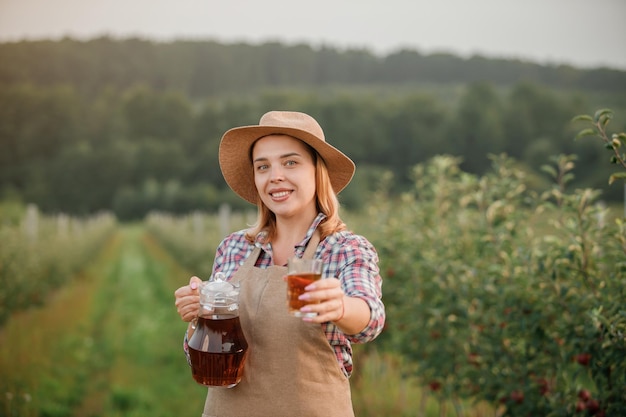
{"x": 517, "y": 396}
{"x": 583, "y": 358}
{"x": 584, "y": 395}
{"x": 435, "y": 385}
{"x": 544, "y": 386}
{"x": 593, "y": 406}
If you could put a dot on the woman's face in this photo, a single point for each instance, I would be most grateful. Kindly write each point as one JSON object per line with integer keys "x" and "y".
{"x": 284, "y": 175}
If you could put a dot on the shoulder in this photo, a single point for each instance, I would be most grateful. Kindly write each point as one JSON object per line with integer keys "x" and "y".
{"x": 231, "y": 253}
{"x": 234, "y": 242}
{"x": 346, "y": 244}
{"x": 348, "y": 240}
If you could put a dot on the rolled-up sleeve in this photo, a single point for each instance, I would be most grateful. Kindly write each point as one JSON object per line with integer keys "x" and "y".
{"x": 354, "y": 261}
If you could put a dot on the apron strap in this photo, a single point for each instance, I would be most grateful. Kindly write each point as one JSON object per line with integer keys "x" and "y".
{"x": 311, "y": 247}
{"x": 250, "y": 261}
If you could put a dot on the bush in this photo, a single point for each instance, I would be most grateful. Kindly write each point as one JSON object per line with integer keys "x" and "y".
{"x": 41, "y": 253}
{"x": 499, "y": 294}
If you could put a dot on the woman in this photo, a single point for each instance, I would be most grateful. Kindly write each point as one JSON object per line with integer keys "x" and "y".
{"x": 295, "y": 366}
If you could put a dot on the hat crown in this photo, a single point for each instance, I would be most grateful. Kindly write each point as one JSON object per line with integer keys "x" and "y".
{"x": 293, "y": 120}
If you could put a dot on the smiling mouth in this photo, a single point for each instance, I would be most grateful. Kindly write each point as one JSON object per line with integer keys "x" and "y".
{"x": 280, "y": 194}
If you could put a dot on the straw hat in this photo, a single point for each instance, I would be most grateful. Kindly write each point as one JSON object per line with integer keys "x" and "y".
{"x": 235, "y": 155}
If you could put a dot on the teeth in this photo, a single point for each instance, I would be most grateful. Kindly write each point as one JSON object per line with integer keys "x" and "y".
{"x": 280, "y": 194}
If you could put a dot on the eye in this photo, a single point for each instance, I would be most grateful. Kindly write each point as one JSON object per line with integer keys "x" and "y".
{"x": 290, "y": 163}
{"x": 261, "y": 167}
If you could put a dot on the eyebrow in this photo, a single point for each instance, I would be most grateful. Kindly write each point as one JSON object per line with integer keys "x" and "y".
{"x": 287, "y": 155}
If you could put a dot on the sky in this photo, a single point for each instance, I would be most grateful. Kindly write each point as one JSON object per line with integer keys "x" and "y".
{"x": 581, "y": 33}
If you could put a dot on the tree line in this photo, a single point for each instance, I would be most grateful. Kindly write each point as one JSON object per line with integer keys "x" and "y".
{"x": 201, "y": 68}
{"x": 87, "y": 142}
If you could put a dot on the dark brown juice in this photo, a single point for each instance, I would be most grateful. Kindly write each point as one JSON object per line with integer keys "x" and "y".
{"x": 218, "y": 351}
{"x": 295, "y": 287}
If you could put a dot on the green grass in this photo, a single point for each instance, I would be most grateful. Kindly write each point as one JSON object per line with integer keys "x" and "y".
{"x": 382, "y": 385}
{"x": 107, "y": 345}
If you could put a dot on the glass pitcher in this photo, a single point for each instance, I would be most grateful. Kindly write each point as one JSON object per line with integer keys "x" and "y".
{"x": 218, "y": 347}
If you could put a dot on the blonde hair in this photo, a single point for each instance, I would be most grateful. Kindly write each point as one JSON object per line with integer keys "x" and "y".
{"x": 326, "y": 202}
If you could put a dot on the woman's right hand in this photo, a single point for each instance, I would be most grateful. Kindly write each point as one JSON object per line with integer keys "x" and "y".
{"x": 188, "y": 299}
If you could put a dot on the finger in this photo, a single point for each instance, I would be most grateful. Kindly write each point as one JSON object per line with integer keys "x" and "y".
{"x": 326, "y": 283}
{"x": 182, "y": 292}
{"x": 189, "y": 314}
{"x": 194, "y": 282}
{"x": 192, "y": 288}
{"x": 187, "y": 299}
{"x": 189, "y": 302}
{"x": 188, "y": 311}
{"x": 328, "y": 310}
{"x": 322, "y": 295}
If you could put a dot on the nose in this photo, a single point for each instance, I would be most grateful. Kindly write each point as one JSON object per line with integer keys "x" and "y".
{"x": 276, "y": 174}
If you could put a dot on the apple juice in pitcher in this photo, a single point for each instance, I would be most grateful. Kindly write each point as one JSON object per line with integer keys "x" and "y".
{"x": 218, "y": 347}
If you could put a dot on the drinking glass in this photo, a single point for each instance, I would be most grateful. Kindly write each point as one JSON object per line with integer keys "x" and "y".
{"x": 300, "y": 273}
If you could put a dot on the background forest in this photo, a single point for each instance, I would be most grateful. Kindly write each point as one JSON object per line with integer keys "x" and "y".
{"x": 502, "y": 245}
{"x": 130, "y": 125}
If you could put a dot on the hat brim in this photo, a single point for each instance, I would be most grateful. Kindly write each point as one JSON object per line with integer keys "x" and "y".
{"x": 236, "y": 166}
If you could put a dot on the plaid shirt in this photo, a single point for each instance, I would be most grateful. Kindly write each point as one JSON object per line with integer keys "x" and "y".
{"x": 349, "y": 257}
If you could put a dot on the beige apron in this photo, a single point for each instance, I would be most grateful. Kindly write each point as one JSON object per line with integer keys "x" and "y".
{"x": 291, "y": 369}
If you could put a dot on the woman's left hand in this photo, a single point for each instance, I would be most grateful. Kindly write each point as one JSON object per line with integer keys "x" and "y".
{"x": 331, "y": 305}
{"x": 350, "y": 314}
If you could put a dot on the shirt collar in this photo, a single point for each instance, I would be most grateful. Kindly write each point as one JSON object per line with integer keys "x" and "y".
{"x": 260, "y": 238}
{"x": 318, "y": 219}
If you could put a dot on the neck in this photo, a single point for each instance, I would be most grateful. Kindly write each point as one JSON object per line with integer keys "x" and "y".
{"x": 289, "y": 232}
{"x": 293, "y": 229}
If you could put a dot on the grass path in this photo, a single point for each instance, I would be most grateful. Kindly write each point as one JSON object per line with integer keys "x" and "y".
{"x": 109, "y": 344}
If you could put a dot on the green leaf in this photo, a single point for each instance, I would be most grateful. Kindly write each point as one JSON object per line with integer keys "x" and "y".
{"x": 549, "y": 169}
{"x": 586, "y": 132}
{"x": 605, "y": 121}
{"x": 582, "y": 117}
{"x": 568, "y": 177}
{"x": 617, "y": 176}
{"x": 602, "y": 113}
